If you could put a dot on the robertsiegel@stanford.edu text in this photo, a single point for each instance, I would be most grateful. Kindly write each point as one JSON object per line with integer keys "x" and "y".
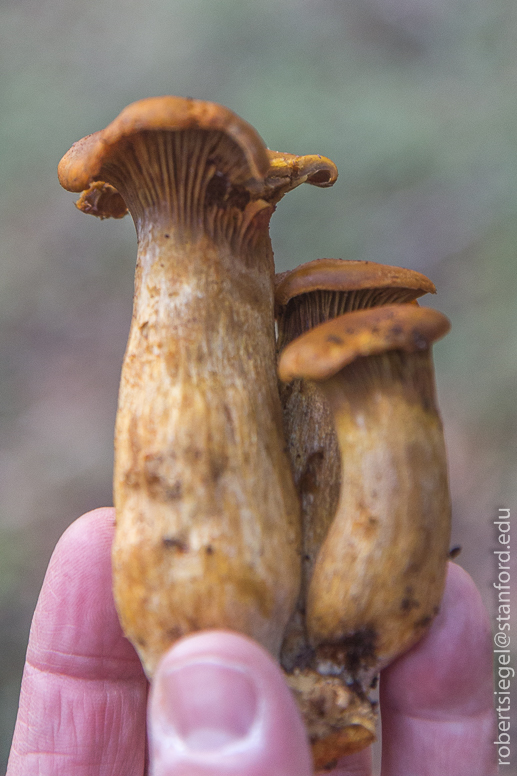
{"x": 504, "y": 672}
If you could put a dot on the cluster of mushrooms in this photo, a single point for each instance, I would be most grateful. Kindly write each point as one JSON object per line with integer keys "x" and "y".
{"x": 311, "y": 514}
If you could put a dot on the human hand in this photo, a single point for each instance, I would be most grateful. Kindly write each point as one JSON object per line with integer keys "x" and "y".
{"x": 219, "y": 705}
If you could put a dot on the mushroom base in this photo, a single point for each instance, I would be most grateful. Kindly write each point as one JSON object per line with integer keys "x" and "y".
{"x": 340, "y": 720}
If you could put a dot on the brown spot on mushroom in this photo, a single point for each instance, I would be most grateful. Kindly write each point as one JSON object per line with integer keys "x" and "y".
{"x": 310, "y": 480}
{"x": 407, "y": 604}
{"x": 175, "y": 543}
{"x": 419, "y": 340}
{"x": 360, "y": 648}
{"x": 173, "y": 634}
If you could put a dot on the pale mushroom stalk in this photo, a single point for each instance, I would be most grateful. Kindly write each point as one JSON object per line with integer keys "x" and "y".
{"x": 379, "y": 576}
{"x": 208, "y": 531}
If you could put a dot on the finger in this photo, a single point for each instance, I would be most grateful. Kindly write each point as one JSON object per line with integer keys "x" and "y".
{"x": 83, "y": 696}
{"x": 437, "y": 700}
{"x": 219, "y": 706}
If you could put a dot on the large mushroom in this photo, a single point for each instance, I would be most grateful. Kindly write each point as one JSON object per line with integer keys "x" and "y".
{"x": 378, "y": 578}
{"x": 208, "y": 528}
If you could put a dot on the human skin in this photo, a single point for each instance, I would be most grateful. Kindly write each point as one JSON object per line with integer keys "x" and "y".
{"x": 84, "y": 694}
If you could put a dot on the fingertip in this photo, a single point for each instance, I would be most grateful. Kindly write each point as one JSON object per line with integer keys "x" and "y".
{"x": 87, "y": 539}
{"x": 92, "y": 529}
{"x": 219, "y": 705}
{"x": 75, "y": 629}
{"x": 83, "y": 690}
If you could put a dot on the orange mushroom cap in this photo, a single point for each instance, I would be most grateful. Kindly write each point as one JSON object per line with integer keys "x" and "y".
{"x": 347, "y": 275}
{"x": 323, "y": 351}
{"x": 83, "y": 163}
{"x": 266, "y": 175}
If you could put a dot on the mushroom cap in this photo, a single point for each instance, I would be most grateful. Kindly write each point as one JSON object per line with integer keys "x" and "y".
{"x": 323, "y": 351}
{"x": 267, "y": 175}
{"x": 82, "y": 164}
{"x": 346, "y": 275}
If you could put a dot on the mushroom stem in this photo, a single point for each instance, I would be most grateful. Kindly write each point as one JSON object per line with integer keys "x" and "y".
{"x": 207, "y": 518}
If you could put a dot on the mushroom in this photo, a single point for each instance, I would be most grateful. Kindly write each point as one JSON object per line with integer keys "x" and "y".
{"x": 305, "y": 297}
{"x": 207, "y": 517}
{"x": 378, "y": 578}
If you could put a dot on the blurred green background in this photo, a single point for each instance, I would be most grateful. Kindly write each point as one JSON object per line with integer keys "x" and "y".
{"x": 415, "y": 101}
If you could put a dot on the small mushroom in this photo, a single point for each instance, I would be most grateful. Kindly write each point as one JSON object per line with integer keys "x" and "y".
{"x": 378, "y": 578}
{"x": 208, "y": 530}
{"x": 311, "y": 294}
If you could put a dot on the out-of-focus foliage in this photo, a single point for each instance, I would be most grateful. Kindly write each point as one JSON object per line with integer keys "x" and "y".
{"x": 414, "y": 100}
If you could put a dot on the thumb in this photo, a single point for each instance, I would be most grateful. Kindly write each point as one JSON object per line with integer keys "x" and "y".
{"x": 219, "y": 706}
